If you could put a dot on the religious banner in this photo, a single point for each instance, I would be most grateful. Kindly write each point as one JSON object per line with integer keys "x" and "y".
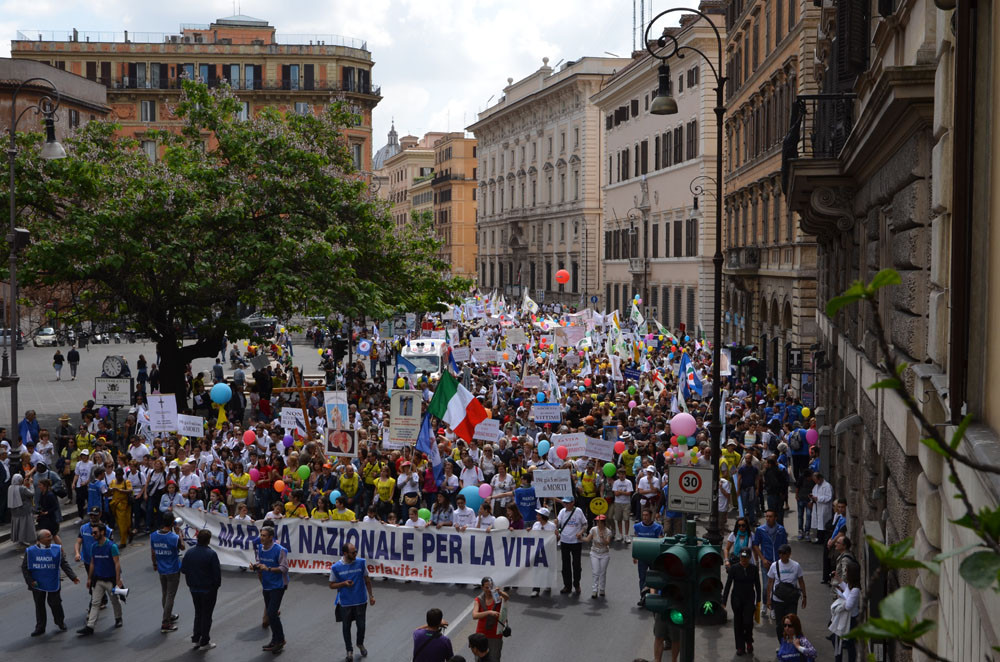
{"x": 162, "y": 412}
{"x": 404, "y": 419}
{"x": 510, "y": 558}
{"x": 575, "y": 443}
{"x": 340, "y": 437}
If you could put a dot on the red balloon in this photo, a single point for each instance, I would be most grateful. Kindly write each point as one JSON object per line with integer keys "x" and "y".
{"x": 673, "y": 440}
{"x": 562, "y": 276}
{"x": 249, "y": 437}
{"x": 619, "y": 447}
{"x": 562, "y": 452}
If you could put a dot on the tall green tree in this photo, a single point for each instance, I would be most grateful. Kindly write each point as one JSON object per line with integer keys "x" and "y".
{"x": 266, "y": 212}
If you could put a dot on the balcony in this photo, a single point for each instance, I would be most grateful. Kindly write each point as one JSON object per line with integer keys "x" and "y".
{"x": 279, "y": 84}
{"x": 812, "y": 174}
{"x": 638, "y": 265}
{"x": 744, "y": 261}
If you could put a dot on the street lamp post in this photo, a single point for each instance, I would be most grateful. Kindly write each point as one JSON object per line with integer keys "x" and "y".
{"x": 664, "y": 104}
{"x": 17, "y": 238}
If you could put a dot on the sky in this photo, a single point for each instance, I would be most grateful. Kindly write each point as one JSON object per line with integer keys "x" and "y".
{"x": 438, "y": 61}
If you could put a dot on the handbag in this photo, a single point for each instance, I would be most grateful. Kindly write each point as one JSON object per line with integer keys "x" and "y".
{"x": 784, "y": 591}
{"x": 505, "y": 621}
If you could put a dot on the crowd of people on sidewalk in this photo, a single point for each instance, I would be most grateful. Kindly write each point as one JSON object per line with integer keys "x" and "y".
{"x": 619, "y": 381}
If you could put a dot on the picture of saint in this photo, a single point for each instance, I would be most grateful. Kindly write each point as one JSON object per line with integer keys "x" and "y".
{"x": 340, "y": 438}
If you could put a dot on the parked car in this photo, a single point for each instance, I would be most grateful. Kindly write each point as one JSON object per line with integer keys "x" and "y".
{"x": 44, "y": 337}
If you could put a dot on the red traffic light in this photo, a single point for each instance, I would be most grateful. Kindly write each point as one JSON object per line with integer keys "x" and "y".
{"x": 675, "y": 561}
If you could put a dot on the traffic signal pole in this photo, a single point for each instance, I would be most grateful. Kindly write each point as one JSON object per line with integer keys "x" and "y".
{"x": 687, "y": 640}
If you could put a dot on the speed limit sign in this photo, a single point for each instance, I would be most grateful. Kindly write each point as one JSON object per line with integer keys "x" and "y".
{"x": 690, "y": 489}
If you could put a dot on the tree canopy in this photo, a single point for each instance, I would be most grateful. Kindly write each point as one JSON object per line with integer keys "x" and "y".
{"x": 266, "y": 213}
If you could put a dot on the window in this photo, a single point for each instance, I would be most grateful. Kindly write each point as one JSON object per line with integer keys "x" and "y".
{"x": 252, "y": 76}
{"x": 692, "y": 139}
{"x": 656, "y": 152}
{"x": 791, "y": 14}
{"x": 74, "y": 118}
{"x": 665, "y": 305}
{"x": 746, "y": 58}
{"x": 635, "y": 107}
{"x": 548, "y": 197}
{"x": 550, "y": 145}
{"x": 293, "y": 76}
{"x": 576, "y": 184}
{"x": 756, "y": 45}
{"x": 562, "y": 187}
{"x": 753, "y": 222}
{"x": 203, "y": 72}
{"x": 301, "y": 108}
{"x": 656, "y": 240}
{"x": 777, "y": 21}
{"x": 690, "y": 310}
{"x": 767, "y": 30}
{"x": 607, "y": 295}
{"x": 678, "y": 238}
{"x": 534, "y": 186}
{"x": 667, "y": 152}
{"x": 678, "y": 144}
{"x": 777, "y": 215}
{"x": 548, "y": 274}
{"x": 677, "y": 307}
{"x": 91, "y": 71}
{"x": 147, "y": 111}
{"x": 789, "y": 227}
{"x": 149, "y": 148}
{"x": 644, "y": 156}
{"x": 691, "y": 238}
{"x": 680, "y": 83}
{"x": 140, "y": 74}
{"x": 244, "y": 114}
{"x": 666, "y": 238}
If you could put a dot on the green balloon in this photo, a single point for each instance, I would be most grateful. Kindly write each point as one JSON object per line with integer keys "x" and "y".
{"x": 682, "y": 440}
{"x": 631, "y": 390}
{"x": 609, "y": 469}
{"x": 303, "y": 472}
{"x": 424, "y": 514}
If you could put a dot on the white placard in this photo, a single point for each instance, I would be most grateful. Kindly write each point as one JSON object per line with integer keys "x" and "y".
{"x": 478, "y": 342}
{"x": 438, "y": 334}
{"x": 600, "y": 449}
{"x": 555, "y": 483}
{"x": 546, "y": 412}
{"x": 488, "y": 430}
{"x": 575, "y": 443}
{"x": 516, "y": 337}
{"x": 292, "y": 419}
{"x": 162, "y": 412}
{"x": 113, "y": 391}
{"x": 461, "y": 354}
{"x": 532, "y": 381}
{"x": 572, "y": 359}
{"x": 190, "y": 426}
{"x": 404, "y": 419}
{"x": 487, "y": 355}
{"x": 546, "y": 340}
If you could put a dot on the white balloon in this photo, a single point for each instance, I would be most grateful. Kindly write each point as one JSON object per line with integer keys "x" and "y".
{"x": 501, "y": 524}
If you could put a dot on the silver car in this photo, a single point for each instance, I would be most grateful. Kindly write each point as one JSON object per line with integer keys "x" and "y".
{"x": 45, "y": 337}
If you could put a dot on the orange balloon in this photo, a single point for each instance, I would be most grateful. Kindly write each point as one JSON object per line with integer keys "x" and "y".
{"x": 279, "y": 485}
{"x": 506, "y": 356}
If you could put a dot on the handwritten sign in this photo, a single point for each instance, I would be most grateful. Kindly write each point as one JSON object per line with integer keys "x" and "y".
{"x": 478, "y": 342}
{"x": 461, "y": 354}
{"x": 532, "y": 381}
{"x": 575, "y": 443}
{"x": 600, "y": 449}
{"x": 488, "y": 430}
{"x": 516, "y": 337}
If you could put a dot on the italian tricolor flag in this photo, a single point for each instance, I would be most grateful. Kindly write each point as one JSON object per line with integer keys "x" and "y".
{"x": 456, "y": 406}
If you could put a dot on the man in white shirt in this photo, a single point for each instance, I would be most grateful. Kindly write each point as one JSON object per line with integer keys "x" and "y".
{"x": 189, "y": 478}
{"x": 138, "y": 450}
{"x": 822, "y": 505}
{"x": 622, "y": 489}
{"x": 649, "y": 488}
{"x": 471, "y": 475}
{"x": 81, "y": 478}
{"x": 570, "y": 522}
{"x": 463, "y": 517}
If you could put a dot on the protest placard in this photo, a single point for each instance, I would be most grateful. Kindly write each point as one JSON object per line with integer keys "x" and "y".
{"x": 461, "y": 354}
{"x": 532, "y": 381}
{"x": 488, "y": 430}
{"x": 478, "y": 342}
{"x": 404, "y": 419}
{"x": 546, "y": 412}
{"x": 516, "y": 337}
{"x": 554, "y": 483}
{"x": 575, "y": 443}
{"x": 600, "y": 449}
{"x": 162, "y": 412}
{"x": 190, "y": 426}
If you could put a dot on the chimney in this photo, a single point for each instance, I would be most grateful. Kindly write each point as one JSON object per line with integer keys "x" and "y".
{"x": 126, "y": 36}
{"x": 76, "y": 35}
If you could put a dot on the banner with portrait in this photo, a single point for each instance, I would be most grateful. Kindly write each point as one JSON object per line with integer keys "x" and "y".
{"x": 341, "y": 439}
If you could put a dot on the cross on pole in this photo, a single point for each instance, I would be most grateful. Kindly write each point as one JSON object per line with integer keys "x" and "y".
{"x": 300, "y": 388}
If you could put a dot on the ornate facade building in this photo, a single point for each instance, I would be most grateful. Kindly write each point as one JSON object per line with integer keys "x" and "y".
{"x": 770, "y": 261}
{"x": 143, "y": 71}
{"x": 540, "y": 167}
{"x": 889, "y": 167}
{"x": 660, "y": 194}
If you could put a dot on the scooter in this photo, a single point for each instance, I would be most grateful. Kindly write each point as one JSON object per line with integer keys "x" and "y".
{"x": 118, "y": 338}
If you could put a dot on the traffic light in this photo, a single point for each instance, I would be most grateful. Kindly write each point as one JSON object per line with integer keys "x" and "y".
{"x": 670, "y": 574}
{"x": 708, "y": 588}
{"x": 755, "y": 367}
{"x": 339, "y": 348}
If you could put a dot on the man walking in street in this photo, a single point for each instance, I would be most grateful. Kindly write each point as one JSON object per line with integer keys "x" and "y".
{"x": 570, "y": 522}
{"x": 165, "y": 547}
{"x": 767, "y": 540}
{"x": 85, "y": 543}
{"x": 73, "y": 357}
{"x": 204, "y": 577}
{"x": 105, "y": 574}
{"x": 429, "y": 642}
{"x": 349, "y": 576}
{"x": 40, "y": 567}
{"x": 272, "y": 566}
{"x": 744, "y": 580}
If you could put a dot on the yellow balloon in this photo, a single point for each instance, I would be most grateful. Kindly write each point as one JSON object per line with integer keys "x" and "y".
{"x": 805, "y": 412}
{"x": 400, "y": 382}
{"x": 320, "y": 351}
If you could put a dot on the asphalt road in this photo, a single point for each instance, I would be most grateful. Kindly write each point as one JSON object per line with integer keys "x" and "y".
{"x": 546, "y": 628}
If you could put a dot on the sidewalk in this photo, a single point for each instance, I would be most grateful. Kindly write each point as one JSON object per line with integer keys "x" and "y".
{"x": 69, "y": 517}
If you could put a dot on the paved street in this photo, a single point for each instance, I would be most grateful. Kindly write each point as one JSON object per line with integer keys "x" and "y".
{"x": 547, "y": 628}
{"x": 39, "y": 390}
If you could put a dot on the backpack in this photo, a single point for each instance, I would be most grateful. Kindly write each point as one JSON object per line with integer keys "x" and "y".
{"x": 795, "y": 440}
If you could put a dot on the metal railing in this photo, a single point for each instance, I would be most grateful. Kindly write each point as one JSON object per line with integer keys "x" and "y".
{"x": 820, "y": 125}
{"x": 268, "y": 85}
{"x": 207, "y": 37}
{"x": 744, "y": 258}
{"x": 637, "y": 265}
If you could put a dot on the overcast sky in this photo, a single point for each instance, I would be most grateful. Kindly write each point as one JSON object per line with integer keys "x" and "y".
{"x": 438, "y": 61}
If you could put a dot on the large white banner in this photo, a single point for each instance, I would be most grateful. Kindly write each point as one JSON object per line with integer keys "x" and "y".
{"x": 435, "y": 556}
{"x": 162, "y": 412}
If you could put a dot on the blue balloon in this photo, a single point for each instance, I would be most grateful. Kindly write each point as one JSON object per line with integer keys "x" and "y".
{"x": 540, "y": 397}
{"x": 687, "y": 338}
{"x": 334, "y": 495}
{"x": 582, "y": 388}
{"x": 221, "y": 393}
{"x": 472, "y": 498}
{"x": 670, "y": 355}
{"x": 544, "y": 355}
{"x": 543, "y": 448}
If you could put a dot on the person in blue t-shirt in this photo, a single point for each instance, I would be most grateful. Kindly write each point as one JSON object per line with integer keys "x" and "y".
{"x": 165, "y": 547}
{"x": 647, "y": 528}
{"x": 349, "y": 576}
{"x": 272, "y": 566}
{"x": 97, "y": 490}
{"x": 526, "y": 501}
{"x": 85, "y": 541}
{"x": 105, "y": 574}
{"x": 40, "y": 567}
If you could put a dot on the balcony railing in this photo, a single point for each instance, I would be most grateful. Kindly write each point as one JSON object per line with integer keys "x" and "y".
{"x": 745, "y": 259}
{"x": 193, "y": 35}
{"x": 637, "y": 265}
{"x": 265, "y": 85}
{"x": 820, "y": 125}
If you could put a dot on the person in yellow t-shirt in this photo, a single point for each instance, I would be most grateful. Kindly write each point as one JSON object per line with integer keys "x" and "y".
{"x": 730, "y": 456}
{"x": 321, "y": 512}
{"x": 295, "y": 507}
{"x": 385, "y": 491}
{"x": 84, "y": 440}
{"x": 239, "y": 483}
{"x": 350, "y": 483}
{"x": 628, "y": 458}
{"x": 341, "y": 513}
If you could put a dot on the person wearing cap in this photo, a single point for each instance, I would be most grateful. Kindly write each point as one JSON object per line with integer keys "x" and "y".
{"x": 542, "y": 523}
{"x": 744, "y": 581}
{"x": 599, "y": 537}
{"x": 622, "y": 490}
{"x": 570, "y": 522}
{"x": 165, "y": 547}
{"x": 85, "y": 541}
{"x": 429, "y": 642}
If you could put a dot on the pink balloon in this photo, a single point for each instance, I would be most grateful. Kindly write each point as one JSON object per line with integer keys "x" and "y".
{"x": 254, "y": 475}
{"x": 631, "y": 404}
{"x": 683, "y": 424}
{"x": 562, "y": 452}
{"x": 812, "y": 436}
{"x": 485, "y": 490}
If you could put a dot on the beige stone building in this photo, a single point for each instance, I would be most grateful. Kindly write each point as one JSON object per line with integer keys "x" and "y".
{"x": 770, "y": 261}
{"x": 540, "y": 169}
{"x": 142, "y": 71}
{"x": 891, "y": 168}
{"x": 454, "y": 195}
{"x": 659, "y": 236}
{"x": 412, "y": 162}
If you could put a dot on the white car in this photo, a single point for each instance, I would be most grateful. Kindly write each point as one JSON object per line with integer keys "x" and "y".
{"x": 46, "y": 337}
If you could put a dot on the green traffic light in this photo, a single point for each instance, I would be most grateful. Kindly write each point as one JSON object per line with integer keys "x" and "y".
{"x": 708, "y": 608}
{"x": 676, "y": 617}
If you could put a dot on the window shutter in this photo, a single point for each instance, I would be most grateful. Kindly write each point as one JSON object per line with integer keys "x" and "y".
{"x": 656, "y": 153}
{"x": 106, "y": 73}
{"x": 131, "y": 74}
{"x": 608, "y": 122}
{"x": 286, "y": 82}
{"x": 309, "y": 83}
{"x": 635, "y": 107}
{"x": 348, "y": 79}
{"x": 644, "y": 156}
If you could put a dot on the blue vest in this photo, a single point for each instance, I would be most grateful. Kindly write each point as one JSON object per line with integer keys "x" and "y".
{"x": 104, "y": 563}
{"x": 357, "y": 594}
{"x": 271, "y": 558}
{"x": 95, "y": 498}
{"x": 87, "y": 536}
{"x": 168, "y": 557}
{"x": 43, "y": 563}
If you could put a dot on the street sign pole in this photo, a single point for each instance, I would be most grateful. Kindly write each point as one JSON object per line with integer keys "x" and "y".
{"x": 687, "y": 641}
